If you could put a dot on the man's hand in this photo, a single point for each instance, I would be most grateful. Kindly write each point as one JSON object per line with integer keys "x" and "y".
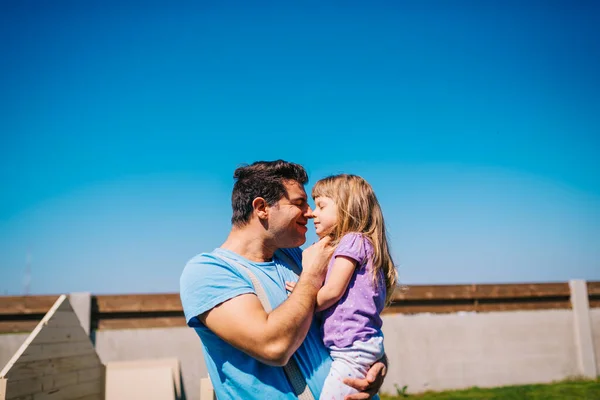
{"x": 370, "y": 385}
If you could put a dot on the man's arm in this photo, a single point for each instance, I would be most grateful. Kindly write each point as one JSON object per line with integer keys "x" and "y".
{"x": 272, "y": 337}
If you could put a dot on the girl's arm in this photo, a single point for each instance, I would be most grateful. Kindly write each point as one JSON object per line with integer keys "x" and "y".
{"x": 337, "y": 282}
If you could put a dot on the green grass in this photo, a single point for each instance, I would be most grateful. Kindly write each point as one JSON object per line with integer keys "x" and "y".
{"x": 565, "y": 390}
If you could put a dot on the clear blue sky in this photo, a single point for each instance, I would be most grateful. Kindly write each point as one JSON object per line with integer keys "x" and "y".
{"x": 477, "y": 123}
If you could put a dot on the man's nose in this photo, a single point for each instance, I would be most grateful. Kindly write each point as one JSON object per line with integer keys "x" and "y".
{"x": 309, "y": 213}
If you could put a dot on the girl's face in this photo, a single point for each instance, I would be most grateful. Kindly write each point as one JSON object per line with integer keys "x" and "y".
{"x": 325, "y": 215}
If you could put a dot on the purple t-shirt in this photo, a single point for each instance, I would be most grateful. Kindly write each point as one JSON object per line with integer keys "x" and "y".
{"x": 357, "y": 315}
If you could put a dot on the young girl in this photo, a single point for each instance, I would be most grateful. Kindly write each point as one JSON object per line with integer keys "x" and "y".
{"x": 359, "y": 281}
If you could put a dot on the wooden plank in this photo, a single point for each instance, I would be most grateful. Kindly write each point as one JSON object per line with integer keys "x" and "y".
{"x": 150, "y": 364}
{"x": 19, "y": 305}
{"x": 97, "y": 396}
{"x": 521, "y": 290}
{"x": 427, "y": 308}
{"x": 53, "y": 366}
{"x": 61, "y": 386}
{"x": 35, "y": 352}
{"x": 91, "y": 374}
{"x": 137, "y": 323}
{"x": 58, "y": 334}
{"x": 593, "y": 288}
{"x": 440, "y": 308}
{"x": 26, "y": 304}
{"x": 140, "y": 381}
{"x": 64, "y": 318}
{"x": 16, "y": 389}
{"x": 434, "y": 292}
{"x": 58, "y": 381}
{"x": 595, "y": 303}
{"x": 486, "y": 291}
{"x": 2, "y": 389}
{"x": 28, "y": 397}
{"x": 139, "y": 303}
{"x": 64, "y": 379}
{"x": 39, "y": 384}
{"x": 524, "y": 306}
{"x": 77, "y": 391}
{"x": 17, "y": 326}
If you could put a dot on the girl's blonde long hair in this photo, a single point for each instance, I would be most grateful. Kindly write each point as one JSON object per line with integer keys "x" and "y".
{"x": 358, "y": 211}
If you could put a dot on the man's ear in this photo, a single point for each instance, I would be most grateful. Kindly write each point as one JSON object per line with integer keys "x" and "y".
{"x": 260, "y": 208}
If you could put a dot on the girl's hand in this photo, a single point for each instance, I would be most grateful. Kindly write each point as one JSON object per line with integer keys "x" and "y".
{"x": 315, "y": 259}
{"x": 289, "y": 286}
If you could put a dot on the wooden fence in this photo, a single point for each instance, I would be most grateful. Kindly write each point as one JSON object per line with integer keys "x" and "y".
{"x": 22, "y": 313}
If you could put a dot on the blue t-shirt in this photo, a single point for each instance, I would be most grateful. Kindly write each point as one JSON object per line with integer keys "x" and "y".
{"x": 208, "y": 280}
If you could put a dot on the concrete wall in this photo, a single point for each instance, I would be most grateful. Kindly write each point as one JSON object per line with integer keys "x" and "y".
{"x": 426, "y": 351}
{"x": 446, "y": 351}
{"x": 595, "y": 322}
{"x": 138, "y": 344}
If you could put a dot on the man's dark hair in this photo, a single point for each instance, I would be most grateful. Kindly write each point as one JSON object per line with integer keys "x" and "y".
{"x": 262, "y": 179}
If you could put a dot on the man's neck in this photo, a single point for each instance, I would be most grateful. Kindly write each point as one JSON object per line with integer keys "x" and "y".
{"x": 250, "y": 244}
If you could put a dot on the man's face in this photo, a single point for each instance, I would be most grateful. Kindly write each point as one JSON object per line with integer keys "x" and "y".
{"x": 289, "y": 216}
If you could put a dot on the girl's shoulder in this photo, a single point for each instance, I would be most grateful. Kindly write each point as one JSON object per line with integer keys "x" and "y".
{"x": 356, "y": 238}
{"x": 356, "y": 244}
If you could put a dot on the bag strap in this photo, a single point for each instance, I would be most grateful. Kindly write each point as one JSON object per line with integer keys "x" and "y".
{"x": 292, "y": 371}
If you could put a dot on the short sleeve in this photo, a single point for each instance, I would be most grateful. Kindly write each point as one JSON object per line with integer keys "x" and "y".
{"x": 292, "y": 254}
{"x": 207, "y": 281}
{"x": 352, "y": 245}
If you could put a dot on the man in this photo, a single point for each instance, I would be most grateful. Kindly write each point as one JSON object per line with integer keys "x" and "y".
{"x": 245, "y": 346}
